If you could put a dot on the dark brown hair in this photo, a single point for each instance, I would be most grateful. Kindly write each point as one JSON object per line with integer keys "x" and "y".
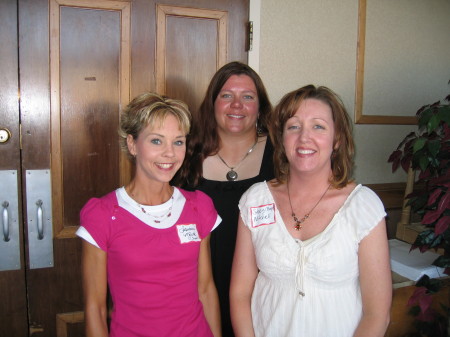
{"x": 204, "y": 139}
{"x": 343, "y": 145}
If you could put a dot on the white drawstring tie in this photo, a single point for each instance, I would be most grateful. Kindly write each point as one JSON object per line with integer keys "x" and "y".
{"x": 299, "y": 270}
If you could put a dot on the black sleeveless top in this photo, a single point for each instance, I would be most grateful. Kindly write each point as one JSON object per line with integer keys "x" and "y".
{"x": 226, "y": 196}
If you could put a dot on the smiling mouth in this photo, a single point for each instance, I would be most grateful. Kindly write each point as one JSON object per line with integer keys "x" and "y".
{"x": 306, "y": 151}
{"x": 235, "y": 116}
{"x": 164, "y": 166}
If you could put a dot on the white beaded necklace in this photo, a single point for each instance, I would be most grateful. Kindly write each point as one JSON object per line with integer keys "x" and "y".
{"x": 157, "y": 218}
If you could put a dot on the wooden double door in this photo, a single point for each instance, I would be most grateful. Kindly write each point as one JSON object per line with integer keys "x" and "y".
{"x": 67, "y": 69}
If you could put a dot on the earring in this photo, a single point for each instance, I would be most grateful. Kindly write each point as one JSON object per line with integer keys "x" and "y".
{"x": 258, "y": 127}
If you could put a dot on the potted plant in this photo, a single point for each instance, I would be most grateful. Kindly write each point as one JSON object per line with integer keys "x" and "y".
{"x": 427, "y": 151}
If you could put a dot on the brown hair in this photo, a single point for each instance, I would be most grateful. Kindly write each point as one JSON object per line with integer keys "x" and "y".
{"x": 343, "y": 145}
{"x": 151, "y": 109}
{"x": 204, "y": 140}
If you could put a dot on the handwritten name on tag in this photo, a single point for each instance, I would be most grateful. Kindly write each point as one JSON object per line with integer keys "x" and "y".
{"x": 262, "y": 215}
{"x": 188, "y": 233}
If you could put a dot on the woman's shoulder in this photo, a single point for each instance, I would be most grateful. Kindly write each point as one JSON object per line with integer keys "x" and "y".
{"x": 98, "y": 208}
{"x": 257, "y": 188}
{"x": 257, "y": 192}
{"x": 365, "y": 210}
{"x": 366, "y": 196}
{"x": 100, "y": 203}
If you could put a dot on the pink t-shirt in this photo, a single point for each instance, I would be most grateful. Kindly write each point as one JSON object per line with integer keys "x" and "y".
{"x": 152, "y": 273}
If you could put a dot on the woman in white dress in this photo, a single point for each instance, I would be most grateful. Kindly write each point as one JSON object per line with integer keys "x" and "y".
{"x": 311, "y": 256}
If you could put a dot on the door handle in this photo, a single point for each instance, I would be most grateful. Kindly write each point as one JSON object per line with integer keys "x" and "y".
{"x": 9, "y": 239}
{"x": 39, "y": 218}
{"x": 5, "y": 221}
{"x": 40, "y": 224}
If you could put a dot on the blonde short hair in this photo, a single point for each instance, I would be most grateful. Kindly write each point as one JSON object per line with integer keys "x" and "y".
{"x": 151, "y": 109}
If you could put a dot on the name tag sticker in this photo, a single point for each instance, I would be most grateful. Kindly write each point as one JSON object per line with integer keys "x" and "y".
{"x": 262, "y": 215}
{"x": 188, "y": 233}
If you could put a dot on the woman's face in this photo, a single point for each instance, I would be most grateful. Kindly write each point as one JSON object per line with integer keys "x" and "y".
{"x": 159, "y": 150}
{"x": 308, "y": 138}
{"x": 237, "y": 105}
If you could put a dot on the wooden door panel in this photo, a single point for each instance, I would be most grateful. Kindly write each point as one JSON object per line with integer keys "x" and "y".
{"x": 13, "y": 307}
{"x": 90, "y": 81}
{"x": 185, "y": 86}
{"x": 9, "y": 86}
{"x": 34, "y": 84}
{"x": 89, "y": 110}
{"x": 191, "y": 44}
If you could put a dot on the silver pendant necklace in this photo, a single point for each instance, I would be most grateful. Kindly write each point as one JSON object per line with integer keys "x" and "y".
{"x": 232, "y": 174}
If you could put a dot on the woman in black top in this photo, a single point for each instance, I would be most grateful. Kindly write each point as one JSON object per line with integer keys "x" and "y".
{"x": 227, "y": 153}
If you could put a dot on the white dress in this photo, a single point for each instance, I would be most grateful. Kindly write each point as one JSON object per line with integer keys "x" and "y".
{"x": 308, "y": 288}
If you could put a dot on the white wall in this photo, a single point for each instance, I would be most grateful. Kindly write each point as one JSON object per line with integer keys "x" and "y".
{"x": 298, "y": 42}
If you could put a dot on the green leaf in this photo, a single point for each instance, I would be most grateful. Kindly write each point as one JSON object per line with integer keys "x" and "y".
{"x": 425, "y": 238}
{"x": 425, "y": 117}
{"x": 436, "y": 242}
{"x": 419, "y": 144}
{"x": 444, "y": 113}
{"x": 434, "y": 162}
{"x": 442, "y": 261}
{"x": 423, "y": 163}
{"x": 434, "y": 147}
{"x": 423, "y": 281}
{"x": 433, "y": 123}
{"x": 418, "y": 202}
{"x": 432, "y": 285}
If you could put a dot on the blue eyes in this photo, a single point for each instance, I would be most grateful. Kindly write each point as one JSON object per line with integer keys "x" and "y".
{"x": 297, "y": 127}
{"x": 179, "y": 143}
{"x": 158, "y": 141}
{"x": 230, "y": 96}
{"x": 293, "y": 127}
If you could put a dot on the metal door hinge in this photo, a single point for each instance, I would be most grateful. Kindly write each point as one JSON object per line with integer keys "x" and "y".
{"x": 249, "y": 42}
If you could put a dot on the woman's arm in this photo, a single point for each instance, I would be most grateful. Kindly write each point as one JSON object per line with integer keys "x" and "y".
{"x": 207, "y": 289}
{"x": 94, "y": 287}
{"x": 376, "y": 283}
{"x": 243, "y": 276}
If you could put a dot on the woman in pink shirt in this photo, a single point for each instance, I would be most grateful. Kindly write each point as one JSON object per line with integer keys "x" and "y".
{"x": 148, "y": 242}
